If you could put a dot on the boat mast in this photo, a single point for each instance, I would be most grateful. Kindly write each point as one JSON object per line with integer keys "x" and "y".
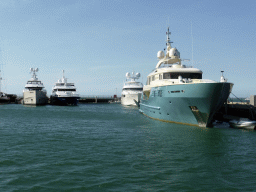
{"x": 32, "y": 70}
{"x": 168, "y": 39}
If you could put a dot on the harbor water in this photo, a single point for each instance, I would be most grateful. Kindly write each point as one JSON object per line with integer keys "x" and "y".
{"x": 109, "y": 147}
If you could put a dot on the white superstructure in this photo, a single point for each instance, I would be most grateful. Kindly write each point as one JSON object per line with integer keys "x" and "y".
{"x": 132, "y": 89}
{"x": 64, "y": 93}
{"x": 34, "y": 92}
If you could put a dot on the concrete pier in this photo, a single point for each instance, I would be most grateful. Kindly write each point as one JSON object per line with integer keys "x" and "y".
{"x": 236, "y": 110}
{"x": 96, "y": 98}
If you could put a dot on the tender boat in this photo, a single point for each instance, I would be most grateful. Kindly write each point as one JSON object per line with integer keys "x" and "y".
{"x": 243, "y": 124}
{"x": 34, "y": 92}
{"x": 132, "y": 89}
{"x": 64, "y": 93}
{"x": 177, "y": 93}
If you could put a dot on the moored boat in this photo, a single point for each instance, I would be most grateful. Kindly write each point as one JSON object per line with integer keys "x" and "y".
{"x": 64, "y": 93}
{"x": 132, "y": 89}
{"x": 34, "y": 92}
{"x": 177, "y": 93}
{"x": 243, "y": 124}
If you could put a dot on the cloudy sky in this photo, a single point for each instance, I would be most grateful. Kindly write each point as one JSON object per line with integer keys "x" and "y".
{"x": 97, "y": 42}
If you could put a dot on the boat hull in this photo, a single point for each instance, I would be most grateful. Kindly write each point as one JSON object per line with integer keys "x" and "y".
{"x": 35, "y": 97}
{"x": 64, "y": 100}
{"x": 4, "y": 100}
{"x": 243, "y": 124}
{"x": 191, "y": 104}
{"x": 128, "y": 99}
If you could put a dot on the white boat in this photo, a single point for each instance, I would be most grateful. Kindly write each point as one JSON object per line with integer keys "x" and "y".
{"x": 132, "y": 89}
{"x": 243, "y": 124}
{"x": 64, "y": 93}
{"x": 34, "y": 92}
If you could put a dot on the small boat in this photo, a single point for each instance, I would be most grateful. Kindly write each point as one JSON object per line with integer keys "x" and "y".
{"x": 243, "y": 124}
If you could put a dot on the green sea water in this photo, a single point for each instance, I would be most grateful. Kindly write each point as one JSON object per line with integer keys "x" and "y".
{"x": 108, "y": 147}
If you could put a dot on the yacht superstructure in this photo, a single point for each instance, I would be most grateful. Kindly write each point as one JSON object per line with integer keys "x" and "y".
{"x": 132, "y": 89}
{"x": 34, "y": 92}
{"x": 177, "y": 93}
{"x": 64, "y": 93}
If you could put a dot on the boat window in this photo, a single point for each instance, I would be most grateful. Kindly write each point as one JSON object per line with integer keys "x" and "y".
{"x": 167, "y": 76}
{"x": 34, "y": 82}
{"x": 175, "y": 91}
{"x": 133, "y": 89}
{"x": 148, "y": 82}
{"x": 153, "y": 78}
{"x": 184, "y": 75}
{"x": 60, "y": 84}
{"x": 160, "y": 76}
{"x": 66, "y": 89}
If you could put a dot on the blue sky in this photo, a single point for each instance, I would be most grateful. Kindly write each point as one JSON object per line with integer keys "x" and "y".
{"x": 97, "y": 42}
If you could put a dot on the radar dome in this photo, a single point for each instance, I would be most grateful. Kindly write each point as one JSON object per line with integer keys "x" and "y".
{"x": 127, "y": 74}
{"x": 174, "y": 52}
{"x": 138, "y": 75}
{"x": 160, "y": 54}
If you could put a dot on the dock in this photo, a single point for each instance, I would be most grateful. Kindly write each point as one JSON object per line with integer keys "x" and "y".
{"x": 236, "y": 110}
{"x": 97, "y": 98}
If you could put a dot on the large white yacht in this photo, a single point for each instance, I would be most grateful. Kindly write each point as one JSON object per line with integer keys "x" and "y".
{"x": 178, "y": 93}
{"x": 64, "y": 93}
{"x": 132, "y": 89}
{"x": 34, "y": 92}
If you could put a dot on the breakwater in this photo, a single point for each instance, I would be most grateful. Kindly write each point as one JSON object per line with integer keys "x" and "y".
{"x": 97, "y": 98}
{"x": 83, "y": 99}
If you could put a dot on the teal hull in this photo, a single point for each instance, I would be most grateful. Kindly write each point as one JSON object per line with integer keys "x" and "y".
{"x": 192, "y": 104}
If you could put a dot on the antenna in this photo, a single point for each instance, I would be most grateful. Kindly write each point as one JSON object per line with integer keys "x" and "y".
{"x": 192, "y": 44}
{"x": 168, "y": 38}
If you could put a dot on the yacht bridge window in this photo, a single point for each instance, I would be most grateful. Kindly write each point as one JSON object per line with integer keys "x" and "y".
{"x": 34, "y": 82}
{"x": 184, "y": 75}
{"x": 133, "y": 89}
{"x": 64, "y": 89}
